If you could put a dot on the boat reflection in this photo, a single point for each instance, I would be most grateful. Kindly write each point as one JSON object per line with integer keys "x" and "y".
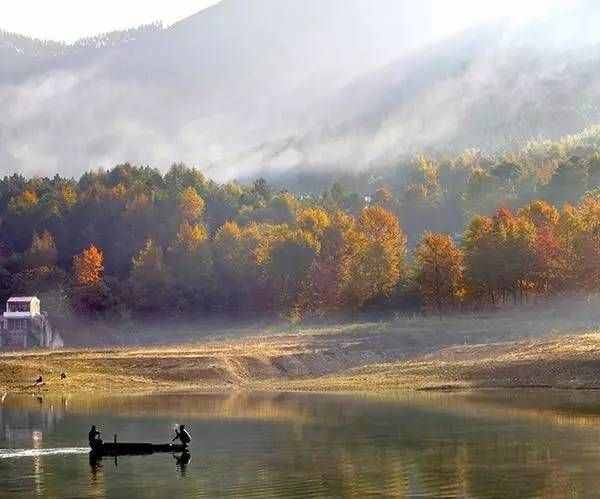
{"x": 96, "y": 463}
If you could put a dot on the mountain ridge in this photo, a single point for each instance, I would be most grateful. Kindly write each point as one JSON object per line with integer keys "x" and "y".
{"x": 275, "y": 85}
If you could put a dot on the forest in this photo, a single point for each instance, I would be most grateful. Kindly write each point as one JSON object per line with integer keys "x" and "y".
{"x": 428, "y": 233}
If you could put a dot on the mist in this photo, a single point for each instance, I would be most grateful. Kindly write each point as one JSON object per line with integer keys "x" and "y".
{"x": 271, "y": 86}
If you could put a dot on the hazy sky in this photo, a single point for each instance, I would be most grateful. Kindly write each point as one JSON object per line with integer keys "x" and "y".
{"x": 69, "y": 20}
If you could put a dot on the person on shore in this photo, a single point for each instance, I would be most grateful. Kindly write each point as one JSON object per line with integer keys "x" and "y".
{"x": 94, "y": 437}
{"x": 182, "y": 435}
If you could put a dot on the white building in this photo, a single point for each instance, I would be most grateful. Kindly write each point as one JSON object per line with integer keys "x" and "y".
{"x": 23, "y": 325}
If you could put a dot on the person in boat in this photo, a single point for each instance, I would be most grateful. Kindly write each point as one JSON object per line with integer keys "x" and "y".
{"x": 94, "y": 437}
{"x": 182, "y": 435}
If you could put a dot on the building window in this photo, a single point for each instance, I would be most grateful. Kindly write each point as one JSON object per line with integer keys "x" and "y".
{"x": 17, "y": 324}
{"x": 18, "y": 307}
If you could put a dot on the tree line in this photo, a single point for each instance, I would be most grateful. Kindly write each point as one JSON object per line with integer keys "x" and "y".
{"x": 134, "y": 242}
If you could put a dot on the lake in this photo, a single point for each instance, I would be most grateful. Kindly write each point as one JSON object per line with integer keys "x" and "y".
{"x": 488, "y": 444}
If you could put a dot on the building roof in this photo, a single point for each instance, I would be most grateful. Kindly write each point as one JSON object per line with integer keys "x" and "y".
{"x": 22, "y": 298}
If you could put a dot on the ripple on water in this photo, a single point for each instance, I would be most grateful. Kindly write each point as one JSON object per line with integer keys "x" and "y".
{"x": 17, "y": 453}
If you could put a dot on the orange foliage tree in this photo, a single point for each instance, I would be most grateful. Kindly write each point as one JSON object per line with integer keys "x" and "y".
{"x": 191, "y": 205}
{"x": 374, "y": 256}
{"x": 24, "y": 202}
{"x": 499, "y": 256}
{"x": 439, "y": 272}
{"x": 88, "y": 266}
{"x": 550, "y": 269}
{"x": 322, "y": 291}
{"x": 584, "y": 242}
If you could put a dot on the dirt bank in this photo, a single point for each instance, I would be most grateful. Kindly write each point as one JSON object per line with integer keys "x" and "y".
{"x": 216, "y": 365}
{"x": 566, "y": 362}
{"x": 344, "y": 361}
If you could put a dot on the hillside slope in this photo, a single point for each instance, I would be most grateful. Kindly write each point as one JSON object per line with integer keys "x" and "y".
{"x": 274, "y": 85}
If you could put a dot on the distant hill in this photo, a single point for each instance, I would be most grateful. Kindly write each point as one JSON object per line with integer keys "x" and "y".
{"x": 272, "y": 85}
{"x": 494, "y": 88}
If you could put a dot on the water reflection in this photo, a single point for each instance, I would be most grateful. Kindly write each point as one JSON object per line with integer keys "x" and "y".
{"x": 96, "y": 483}
{"x": 182, "y": 461}
{"x": 290, "y": 445}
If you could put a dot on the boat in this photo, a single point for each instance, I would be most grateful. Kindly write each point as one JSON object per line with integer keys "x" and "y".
{"x": 134, "y": 448}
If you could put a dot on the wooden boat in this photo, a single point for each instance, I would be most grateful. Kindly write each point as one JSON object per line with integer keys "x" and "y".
{"x": 134, "y": 448}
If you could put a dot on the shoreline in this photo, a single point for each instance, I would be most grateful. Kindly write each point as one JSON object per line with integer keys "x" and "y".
{"x": 308, "y": 363}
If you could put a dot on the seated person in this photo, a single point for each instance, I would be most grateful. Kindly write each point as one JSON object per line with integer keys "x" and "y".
{"x": 94, "y": 437}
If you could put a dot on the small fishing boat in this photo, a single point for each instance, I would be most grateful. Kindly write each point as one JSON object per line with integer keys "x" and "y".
{"x": 134, "y": 448}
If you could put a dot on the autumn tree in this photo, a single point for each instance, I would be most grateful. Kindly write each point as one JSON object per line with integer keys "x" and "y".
{"x": 499, "y": 256}
{"x": 374, "y": 257}
{"x": 42, "y": 252}
{"x": 190, "y": 238}
{"x": 550, "y": 271}
{"x": 281, "y": 209}
{"x": 39, "y": 273}
{"x": 540, "y": 213}
{"x": 383, "y": 197}
{"x": 88, "y": 266}
{"x": 150, "y": 278}
{"x": 322, "y": 291}
{"x": 191, "y": 205}
{"x": 90, "y": 294}
{"x": 190, "y": 260}
{"x": 481, "y": 194}
{"x": 581, "y": 232}
{"x": 24, "y": 202}
{"x": 253, "y": 248}
{"x": 314, "y": 220}
{"x": 420, "y": 197}
{"x": 235, "y": 253}
{"x": 594, "y": 172}
{"x": 569, "y": 181}
{"x": 439, "y": 272}
{"x": 67, "y": 196}
{"x": 479, "y": 255}
{"x": 284, "y": 256}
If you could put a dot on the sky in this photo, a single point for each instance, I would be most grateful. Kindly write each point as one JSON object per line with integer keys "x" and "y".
{"x": 70, "y": 20}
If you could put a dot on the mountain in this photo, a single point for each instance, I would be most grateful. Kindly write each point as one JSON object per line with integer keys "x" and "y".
{"x": 276, "y": 85}
{"x": 494, "y": 87}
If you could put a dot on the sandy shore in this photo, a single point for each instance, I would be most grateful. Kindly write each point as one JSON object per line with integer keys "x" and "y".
{"x": 360, "y": 361}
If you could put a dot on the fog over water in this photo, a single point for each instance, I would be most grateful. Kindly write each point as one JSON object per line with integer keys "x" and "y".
{"x": 272, "y": 85}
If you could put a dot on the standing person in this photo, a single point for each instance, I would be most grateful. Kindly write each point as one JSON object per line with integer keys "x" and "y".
{"x": 94, "y": 437}
{"x": 182, "y": 435}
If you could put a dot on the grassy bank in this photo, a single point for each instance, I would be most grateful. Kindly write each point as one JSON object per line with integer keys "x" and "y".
{"x": 413, "y": 354}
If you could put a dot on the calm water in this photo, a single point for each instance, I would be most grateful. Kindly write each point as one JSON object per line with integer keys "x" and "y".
{"x": 504, "y": 445}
